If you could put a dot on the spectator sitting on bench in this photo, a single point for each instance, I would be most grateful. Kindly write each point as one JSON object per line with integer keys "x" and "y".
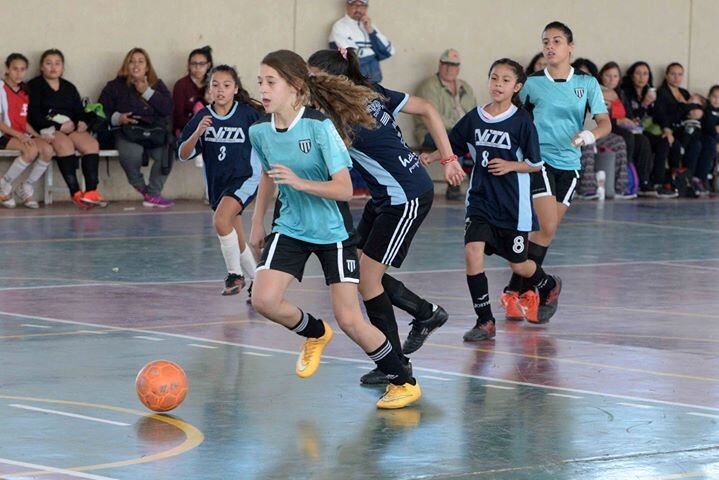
{"x": 56, "y": 111}
{"x": 135, "y": 96}
{"x": 17, "y": 134}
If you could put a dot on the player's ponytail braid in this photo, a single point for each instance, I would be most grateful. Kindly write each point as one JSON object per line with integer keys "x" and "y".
{"x": 518, "y": 72}
{"x": 343, "y": 101}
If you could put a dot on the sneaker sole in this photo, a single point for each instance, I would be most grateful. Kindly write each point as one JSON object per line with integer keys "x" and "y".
{"x": 154, "y": 205}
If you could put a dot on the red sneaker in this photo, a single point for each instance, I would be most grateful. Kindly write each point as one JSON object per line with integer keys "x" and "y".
{"x": 510, "y": 302}
{"x": 94, "y": 198}
{"x": 77, "y": 200}
{"x": 529, "y": 305}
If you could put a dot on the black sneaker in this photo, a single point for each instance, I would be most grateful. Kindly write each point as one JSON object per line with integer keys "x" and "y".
{"x": 233, "y": 284}
{"x": 647, "y": 190}
{"x": 548, "y": 308}
{"x": 249, "y": 293}
{"x": 484, "y": 331}
{"x": 422, "y": 328}
{"x": 665, "y": 191}
{"x": 376, "y": 377}
{"x": 453, "y": 193}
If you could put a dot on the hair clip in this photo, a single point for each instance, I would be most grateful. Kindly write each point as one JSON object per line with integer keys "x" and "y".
{"x": 343, "y": 52}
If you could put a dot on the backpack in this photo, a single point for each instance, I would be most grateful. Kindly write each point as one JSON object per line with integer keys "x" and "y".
{"x": 632, "y": 179}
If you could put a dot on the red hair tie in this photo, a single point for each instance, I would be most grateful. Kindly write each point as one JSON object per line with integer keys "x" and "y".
{"x": 343, "y": 52}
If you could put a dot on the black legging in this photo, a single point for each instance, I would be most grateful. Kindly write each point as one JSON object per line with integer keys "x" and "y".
{"x": 660, "y": 147}
{"x": 639, "y": 150}
{"x": 90, "y": 167}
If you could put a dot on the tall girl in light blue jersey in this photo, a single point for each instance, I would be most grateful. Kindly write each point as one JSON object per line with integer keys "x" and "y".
{"x": 219, "y": 132}
{"x": 558, "y": 98}
{"x": 503, "y": 143}
{"x": 304, "y": 152}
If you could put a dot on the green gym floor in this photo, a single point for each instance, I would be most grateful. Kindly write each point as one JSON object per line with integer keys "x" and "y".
{"x": 621, "y": 384}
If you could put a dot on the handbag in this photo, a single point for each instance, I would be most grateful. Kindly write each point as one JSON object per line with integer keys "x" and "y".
{"x": 149, "y": 136}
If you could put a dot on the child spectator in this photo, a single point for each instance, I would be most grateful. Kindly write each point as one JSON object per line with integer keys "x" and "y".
{"x": 17, "y": 134}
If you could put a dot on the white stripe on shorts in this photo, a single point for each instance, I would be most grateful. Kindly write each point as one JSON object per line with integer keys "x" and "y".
{"x": 408, "y": 216}
{"x": 570, "y": 191}
{"x": 270, "y": 254}
{"x": 340, "y": 265}
{"x": 547, "y": 187}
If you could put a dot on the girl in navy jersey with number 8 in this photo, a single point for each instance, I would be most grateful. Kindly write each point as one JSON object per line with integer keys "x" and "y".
{"x": 220, "y": 132}
{"x": 503, "y": 142}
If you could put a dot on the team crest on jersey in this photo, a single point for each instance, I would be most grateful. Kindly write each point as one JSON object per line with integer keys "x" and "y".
{"x": 351, "y": 265}
{"x": 305, "y": 145}
{"x": 579, "y": 92}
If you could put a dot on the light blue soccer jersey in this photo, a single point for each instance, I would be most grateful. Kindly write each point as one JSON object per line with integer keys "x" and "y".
{"x": 313, "y": 149}
{"x": 559, "y": 108}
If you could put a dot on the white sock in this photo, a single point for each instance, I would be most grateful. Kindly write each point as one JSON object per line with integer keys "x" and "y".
{"x": 37, "y": 170}
{"x": 231, "y": 252}
{"x": 17, "y": 167}
{"x": 247, "y": 259}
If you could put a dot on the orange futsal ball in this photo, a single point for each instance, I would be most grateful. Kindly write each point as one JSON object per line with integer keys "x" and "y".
{"x": 161, "y": 385}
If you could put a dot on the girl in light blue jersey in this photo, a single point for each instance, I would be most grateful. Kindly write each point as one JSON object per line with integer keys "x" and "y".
{"x": 304, "y": 151}
{"x": 558, "y": 97}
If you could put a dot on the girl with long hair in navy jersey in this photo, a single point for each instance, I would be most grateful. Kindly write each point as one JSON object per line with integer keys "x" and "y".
{"x": 503, "y": 143}
{"x": 402, "y": 194}
{"x": 219, "y": 132}
{"x": 304, "y": 152}
{"x": 558, "y": 98}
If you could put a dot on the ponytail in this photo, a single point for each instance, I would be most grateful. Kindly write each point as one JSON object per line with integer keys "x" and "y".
{"x": 343, "y": 101}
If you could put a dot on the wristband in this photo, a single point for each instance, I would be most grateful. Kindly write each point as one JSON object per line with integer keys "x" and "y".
{"x": 447, "y": 160}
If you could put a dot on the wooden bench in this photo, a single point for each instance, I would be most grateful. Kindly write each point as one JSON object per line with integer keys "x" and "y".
{"x": 49, "y": 186}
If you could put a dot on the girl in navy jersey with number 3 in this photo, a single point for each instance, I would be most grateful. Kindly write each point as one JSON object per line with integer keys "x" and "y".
{"x": 504, "y": 145}
{"x": 220, "y": 132}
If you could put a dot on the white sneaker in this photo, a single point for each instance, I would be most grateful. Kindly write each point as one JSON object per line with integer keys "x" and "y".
{"x": 25, "y": 192}
{"x": 7, "y": 201}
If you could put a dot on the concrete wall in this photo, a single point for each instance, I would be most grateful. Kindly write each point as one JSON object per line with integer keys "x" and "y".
{"x": 95, "y": 35}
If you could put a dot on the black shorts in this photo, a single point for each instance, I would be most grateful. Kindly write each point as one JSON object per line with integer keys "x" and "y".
{"x": 385, "y": 233}
{"x": 4, "y": 140}
{"x": 560, "y": 184}
{"x": 241, "y": 190}
{"x": 508, "y": 244}
{"x": 286, "y": 254}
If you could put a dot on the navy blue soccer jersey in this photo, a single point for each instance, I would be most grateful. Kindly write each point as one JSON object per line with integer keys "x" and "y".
{"x": 226, "y": 151}
{"x": 391, "y": 169}
{"x": 504, "y": 201}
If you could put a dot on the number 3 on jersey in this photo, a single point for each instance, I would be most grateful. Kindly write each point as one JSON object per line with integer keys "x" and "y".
{"x": 223, "y": 153}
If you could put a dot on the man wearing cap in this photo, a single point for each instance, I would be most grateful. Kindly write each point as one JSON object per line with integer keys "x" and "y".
{"x": 356, "y": 30}
{"x": 452, "y": 98}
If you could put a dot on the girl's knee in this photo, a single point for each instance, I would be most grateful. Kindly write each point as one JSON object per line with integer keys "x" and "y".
{"x": 264, "y": 303}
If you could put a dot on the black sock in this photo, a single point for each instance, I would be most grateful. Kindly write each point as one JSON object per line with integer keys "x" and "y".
{"x": 405, "y": 299}
{"x": 381, "y": 315}
{"x": 90, "y": 167}
{"x": 389, "y": 363}
{"x": 479, "y": 290}
{"x": 68, "y": 166}
{"x": 309, "y": 326}
{"x": 516, "y": 283}
{"x": 536, "y": 253}
{"x": 542, "y": 282}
